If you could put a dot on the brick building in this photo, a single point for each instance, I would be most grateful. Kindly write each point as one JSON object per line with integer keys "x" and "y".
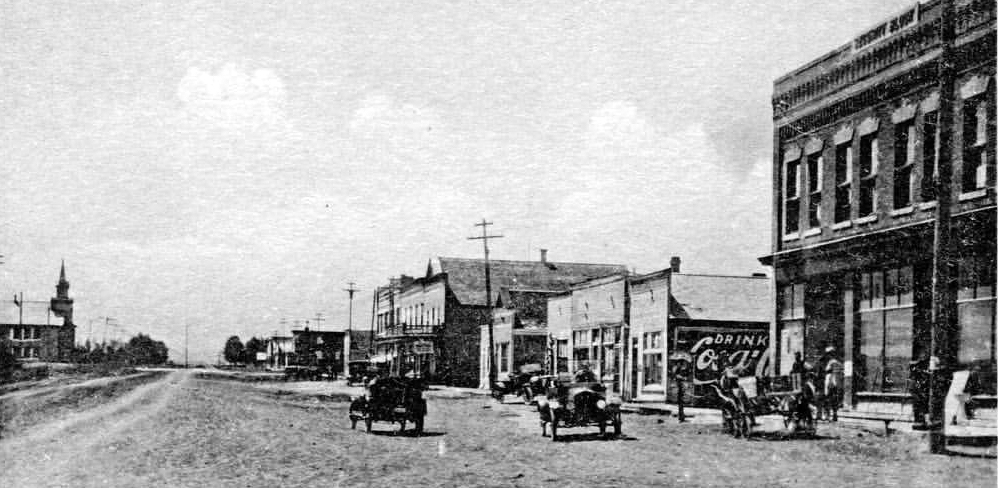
{"x": 432, "y": 325}
{"x": 40, "y": 330}
{"x": 855, "y": 156}
{"x": 625, "y": 327}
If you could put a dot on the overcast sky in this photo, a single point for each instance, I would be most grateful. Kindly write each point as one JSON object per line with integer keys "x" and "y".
{"x": 227, "y": 164}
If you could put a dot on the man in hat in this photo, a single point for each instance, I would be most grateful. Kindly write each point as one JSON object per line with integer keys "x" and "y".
{"x": 833, "y": 383}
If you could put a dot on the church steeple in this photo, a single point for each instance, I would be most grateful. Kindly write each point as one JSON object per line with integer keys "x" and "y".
{"x": 61, "y": 304}
{"x": 62, "y": 288}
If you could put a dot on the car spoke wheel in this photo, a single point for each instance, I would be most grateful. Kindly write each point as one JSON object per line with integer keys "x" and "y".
{"x": 368, "y": 423}
{"x": 401, "y": 426}
{"x": 353, "y": 424}
{"x": 419, "y": 425}
{"x": 617, "y": 425}
{"x": 602, "y": 428}
{"x": 554, "y": 426}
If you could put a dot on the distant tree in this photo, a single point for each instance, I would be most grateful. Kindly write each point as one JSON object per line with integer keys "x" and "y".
{"x": 234, "y": 350}
{"x": 142, "y": 349}
{"x": 253, "y": 346}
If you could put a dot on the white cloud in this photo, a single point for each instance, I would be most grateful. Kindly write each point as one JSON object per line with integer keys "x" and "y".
{"x": 233, "y": 97}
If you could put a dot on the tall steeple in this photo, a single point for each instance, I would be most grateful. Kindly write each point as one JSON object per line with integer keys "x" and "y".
{"x": 61, "y": 304}
{"x": 62, "y": 288}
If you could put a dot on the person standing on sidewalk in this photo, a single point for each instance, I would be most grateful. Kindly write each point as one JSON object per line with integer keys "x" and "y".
{"x": 833, "y": 383}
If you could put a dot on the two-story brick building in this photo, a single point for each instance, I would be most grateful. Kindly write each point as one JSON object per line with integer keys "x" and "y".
{"x": 432, "y": 325}
{"x": 855, "y": 158}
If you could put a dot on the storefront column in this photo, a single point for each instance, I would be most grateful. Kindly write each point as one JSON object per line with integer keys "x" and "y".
{"x": 849, "y": 323}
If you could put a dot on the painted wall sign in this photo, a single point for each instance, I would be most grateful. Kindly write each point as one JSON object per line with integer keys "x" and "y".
{"x": 887, "y": 28}
{"x": 746, "y": 348}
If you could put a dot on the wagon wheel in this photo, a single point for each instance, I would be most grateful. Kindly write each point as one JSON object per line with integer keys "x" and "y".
{"x": 554, "y": 426}
{"x": 368, "y": 423}
{"x": 617, "y": 424}
{"x": 419, "y": 425}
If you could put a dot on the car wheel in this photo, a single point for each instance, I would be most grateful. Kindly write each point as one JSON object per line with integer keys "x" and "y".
{"x": 617, "y": 424}
{"x": 419, "y": 425}
{"x": 401, "y": 426}
{"x": 554, "y": 426}
{"x": 353, "y": 424}
{"x": 602, "y": 428}
{"x": 368, "y": 423}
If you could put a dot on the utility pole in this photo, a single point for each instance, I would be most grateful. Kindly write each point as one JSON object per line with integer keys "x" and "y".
{"x": 318, "y": 321}
{"x": 374, "y": 318}
{"x": 944, "y": 335}
{"x": 350, "y": 289}
{"x": 488, "y": 294}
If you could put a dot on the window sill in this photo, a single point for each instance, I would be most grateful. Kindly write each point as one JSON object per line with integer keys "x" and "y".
{"x": 812, "y": 232}
{"x": 902, "y": 211}
{"x": 972, "y": 195}
{"x": 842, "y": 225}
{"x": 791, "y": 237}
{"x": 927, "y": 205}
{"x": 866, "y": 220}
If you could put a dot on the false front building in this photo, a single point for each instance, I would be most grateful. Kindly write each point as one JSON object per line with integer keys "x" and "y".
{"x": 431, "y": 326}
{"x": 854, "y": 196}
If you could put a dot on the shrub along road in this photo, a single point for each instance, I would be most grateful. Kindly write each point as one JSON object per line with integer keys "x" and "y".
{"x": 194, "y": 429}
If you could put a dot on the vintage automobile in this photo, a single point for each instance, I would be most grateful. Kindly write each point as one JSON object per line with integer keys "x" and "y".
{"x": 521, "y": 384}
{"x": 571, "y": 403}
{"x": 395, "y": 400}
{"x": 363, "y": 370}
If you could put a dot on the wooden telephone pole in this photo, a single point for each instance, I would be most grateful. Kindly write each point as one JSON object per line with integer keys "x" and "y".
{"x": 488, "y": 294}
{"x": 350, "y": 289}
{"x": 943, "y": 356}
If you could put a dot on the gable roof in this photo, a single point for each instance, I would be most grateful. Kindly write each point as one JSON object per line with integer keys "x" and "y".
{"x": 722, "y": 298}
{"x": 34, "y": 313}
{"x": 466, "y": 277}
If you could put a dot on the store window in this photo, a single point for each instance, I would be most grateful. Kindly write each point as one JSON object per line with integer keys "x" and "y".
{"x": 581, "y": 343}
{"x": 791, "y": 192}
{"x": 904, "y": 158}
{"x": 843, "y": 182}
{"x": 652, "y": 356}
{"x": 975, "y": 139}
{"x": 886, "y": 330}
{"x": 976, "y": 311}
{"x": 561, "y": 353}
{"x": 503, "y": 357}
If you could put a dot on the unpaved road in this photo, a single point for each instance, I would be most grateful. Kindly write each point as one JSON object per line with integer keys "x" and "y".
{"x": 190, "y": 430}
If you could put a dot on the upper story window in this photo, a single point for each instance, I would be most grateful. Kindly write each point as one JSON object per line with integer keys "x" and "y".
{"x": 815, "y": 166}
{"x": 869, "y": 163}
{"x": 791, "y": 192}
{"x": 975, "y": 141}
{"x": 904, "y": 158}
{"x": 843, "y": 181}
{"x": 930, "y": 155}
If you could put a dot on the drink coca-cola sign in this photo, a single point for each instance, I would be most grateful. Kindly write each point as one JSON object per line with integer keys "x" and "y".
{"x": 746, "y": 350}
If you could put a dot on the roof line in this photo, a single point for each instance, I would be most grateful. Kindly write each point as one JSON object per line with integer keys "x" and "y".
{"x": 708, "y": 275}
{"x": 531, "y": 262}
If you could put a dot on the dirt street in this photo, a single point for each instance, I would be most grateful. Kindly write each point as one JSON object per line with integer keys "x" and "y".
{"x": 187, "y": 429}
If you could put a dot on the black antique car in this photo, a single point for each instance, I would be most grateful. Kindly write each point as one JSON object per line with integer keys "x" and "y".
{"x": 363, "y": 370}
{"x": 390, "y": 400}
{"x": 573, "y": 403}
{"x": 521, "y": 384}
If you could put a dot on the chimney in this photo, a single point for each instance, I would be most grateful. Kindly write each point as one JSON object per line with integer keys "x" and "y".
{"x": 544, "y": 255}
{"x": 674, "y": 264}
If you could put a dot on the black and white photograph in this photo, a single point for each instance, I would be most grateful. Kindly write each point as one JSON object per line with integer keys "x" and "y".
{"x": 485, "y": 243}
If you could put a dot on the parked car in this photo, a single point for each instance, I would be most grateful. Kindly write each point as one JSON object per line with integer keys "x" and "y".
{"x": 570, "y": 403}
{"x": 395, "y": 400}
{"x": 363, "y": 370}
{"x": 521, "y": 384}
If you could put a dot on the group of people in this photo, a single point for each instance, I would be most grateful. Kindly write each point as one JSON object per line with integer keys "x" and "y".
{"x": 821, "y": 385}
